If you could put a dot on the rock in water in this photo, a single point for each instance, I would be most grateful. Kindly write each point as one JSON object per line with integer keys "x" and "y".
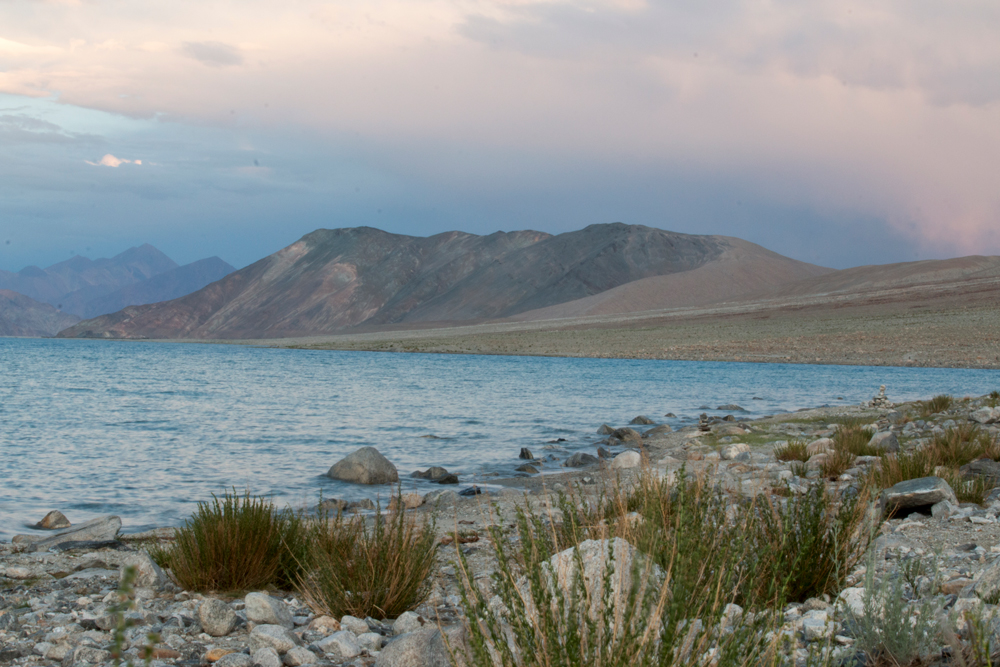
{"x": 528, "y": 468}
{"x": 365, "y": 466}
{"x": 605, "y": 430}
{"x": 54, "y": 520}
{"x": 581, "y": 459}
{"x": 101, "y": 529}
{"x": 731, "y": 407}
{"x": 916, "y": 494}
{"x": 525, "y": 454}
{"x": 434, "y": 473}
{"x": 627, "y": 434}
{"x": 642, "y": 420}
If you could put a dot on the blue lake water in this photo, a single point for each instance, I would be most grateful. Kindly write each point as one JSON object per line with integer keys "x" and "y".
{"x": 146, "y": 430}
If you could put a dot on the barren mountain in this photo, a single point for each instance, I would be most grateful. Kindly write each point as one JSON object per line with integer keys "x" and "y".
{"x": 343, "y": 279}
{"x": 96, "y": 277}
{"x": 23, "y": 316}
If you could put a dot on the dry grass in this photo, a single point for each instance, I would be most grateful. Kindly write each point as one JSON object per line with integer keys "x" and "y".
{"x": 381, "y": 569}
{"x": 793, "y": 450}
{"x": 963, "y": 444}
{"x": 853, "y": 436}
{"x": 237, "y": 543}
{"x": 837, "y": 463}
{"x": 935, "y": 405}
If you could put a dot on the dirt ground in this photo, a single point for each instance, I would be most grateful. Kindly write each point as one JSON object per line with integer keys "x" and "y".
{"x": 920, "y": 327}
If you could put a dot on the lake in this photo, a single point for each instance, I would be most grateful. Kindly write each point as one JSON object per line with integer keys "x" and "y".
{"x": 146, "y": 430}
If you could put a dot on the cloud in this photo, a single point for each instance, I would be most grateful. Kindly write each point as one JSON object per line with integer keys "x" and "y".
{"x": 213, "y": 54}
{"x": 110, "y": 160}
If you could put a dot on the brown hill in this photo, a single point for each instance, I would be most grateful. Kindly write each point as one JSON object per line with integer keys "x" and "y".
{"x": 23, "y": 316}
{"x": 336, "y": 280}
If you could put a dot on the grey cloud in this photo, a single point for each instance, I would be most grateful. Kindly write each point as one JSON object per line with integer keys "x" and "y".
{"x": 19, "y": 128}
{"x": 213, "y": 54}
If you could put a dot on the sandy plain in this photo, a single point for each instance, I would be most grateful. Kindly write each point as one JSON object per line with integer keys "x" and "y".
{"x": 946, "y": 324}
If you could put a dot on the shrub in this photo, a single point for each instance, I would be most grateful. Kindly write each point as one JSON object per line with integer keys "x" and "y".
{"x": 968, "y": 490}
{"x": 836, "y": 463}
{"x": 793, "y": 450}
{"x": 237, "y": 543}
{"x": 962, "y": 444}
{"x": 935, "y": 405}
{"x": 896, "y": 468}
{"x": 853, "y": 436}
{"x": 353, "y": 568}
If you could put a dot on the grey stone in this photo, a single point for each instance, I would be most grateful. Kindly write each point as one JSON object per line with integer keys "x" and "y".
{"x": 235, "y": 660}
{"x": 943, "y": 509}
{"x": 885, "y": 441}
{"x": 731, "y": 407}
{"x": 91, "y": 654}
{"x": 408, "y": 621}
{"x": 526, "y": 454}
{"x": 442, "y": 497}
{"x": 274, "y": 636}
{"x": 581, "y": 459}
{"x": 54, "y": 520}
{"x": 365, "y": 466}
{"x": 916, "y": 493}
{"x": 433, "y": 474}
{"x": 528, "y": 468}
{"x": 605, "y": 430}
{"x": 986, "y": 468}
{"x": 300, "y": 656}
{"x": 985, "y": 415}
{"x": 426, "y": 648}
{"x": 658, "y": 430}
{"x": 358, "y": 626}
{"x": 343, "y": 644}
{"x": 363, "y": 504}
{"x": 730, "y": 452}
{"x": 642, "y": 420}
{"x": 101, "y": 529}
{"x": 147, "y": 573}
{"x": 627, "y": 434}
{"x": 266, "y": 657}
{"x": 262, "y": 608}
{"x": 988, "y": 586}
{"x": 217, "y": 618}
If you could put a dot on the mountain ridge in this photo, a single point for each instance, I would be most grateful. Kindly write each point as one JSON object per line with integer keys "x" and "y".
{"x": 343, "y": 279}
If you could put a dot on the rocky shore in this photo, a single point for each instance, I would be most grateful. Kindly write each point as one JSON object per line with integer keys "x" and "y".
{"x": 58, "y": 593}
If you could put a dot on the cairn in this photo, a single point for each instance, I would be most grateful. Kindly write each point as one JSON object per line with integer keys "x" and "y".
{"x": 880, "y": 401}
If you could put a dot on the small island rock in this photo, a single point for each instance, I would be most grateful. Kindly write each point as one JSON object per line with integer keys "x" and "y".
{"x": 365, "y": 466}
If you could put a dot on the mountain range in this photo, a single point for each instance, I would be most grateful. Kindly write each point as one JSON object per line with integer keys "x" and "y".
{"x": 40, "y": 302}
{"x": 363, "y": 278}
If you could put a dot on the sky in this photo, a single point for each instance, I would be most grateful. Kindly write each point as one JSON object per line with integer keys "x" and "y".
{"x": 837, "y": 133}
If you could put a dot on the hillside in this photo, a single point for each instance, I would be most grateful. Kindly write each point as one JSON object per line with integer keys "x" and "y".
{"x": 23, "y": 316}
{"x": 363, "y": 278}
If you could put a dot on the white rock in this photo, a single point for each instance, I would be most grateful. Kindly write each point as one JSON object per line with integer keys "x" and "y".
{"x": 985, "y": 415}
{"x": 408, "y": 621}
{"x": 342, "y": 644}
{"x": 852, "y": 600}
{"x": 815, "y": 629}
{"x": 629, "y": 459}
{"x": 147, "y": 573}
{"x": 262, "y": 608}
{"x": 216, "y": 617}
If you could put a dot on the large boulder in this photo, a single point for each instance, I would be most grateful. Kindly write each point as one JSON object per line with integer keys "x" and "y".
{"x": 581, "y": 459}
{"x": 262, "y": 608}
{"x": 626, "y": 435}
{"x": 428, "y": 647}
{"x": 629, "y": 459}
{"x": 54, "y": 520}
{"x": 916, "y": 494}
{"x": 986, "y": 468}
{"x": 147, "y": 573}
{"x": 101, "y": 529}
{"x": 642, "y": 420}
{"x": 216, "y": 617}
{"x": 365, "y": 466}
{"x": 986, "y": 415}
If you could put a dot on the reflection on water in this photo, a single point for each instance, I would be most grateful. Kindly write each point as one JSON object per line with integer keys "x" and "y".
{"x": 145, "y": 430}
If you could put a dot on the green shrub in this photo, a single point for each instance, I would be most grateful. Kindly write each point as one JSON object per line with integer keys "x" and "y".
{"x": 237, "y": 543}
{"x": 837, "y": 463}
{"x": 962, "y": 444}
{"x": 353, "y": 568}
{"x": 702, "y": 550}
{"x": 896, "y": 468}
{"x": 793, "y": 450}
{"x": 968, "y": 490}
{"x": 853, "y": 436}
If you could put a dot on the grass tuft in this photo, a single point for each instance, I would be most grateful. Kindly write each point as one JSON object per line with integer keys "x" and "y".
{"x": 379, "y": 570}
{"x": 793, "y": 450}
{"x": 236, "y": 543}
{"x": 937, "y": 404}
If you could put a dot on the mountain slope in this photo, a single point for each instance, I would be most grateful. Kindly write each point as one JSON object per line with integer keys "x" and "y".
{"x": 334, "y": 280}
{"x": 97, "y": 277}
{"x": 23, "y": 316}
{"x": 164, "y": 286}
